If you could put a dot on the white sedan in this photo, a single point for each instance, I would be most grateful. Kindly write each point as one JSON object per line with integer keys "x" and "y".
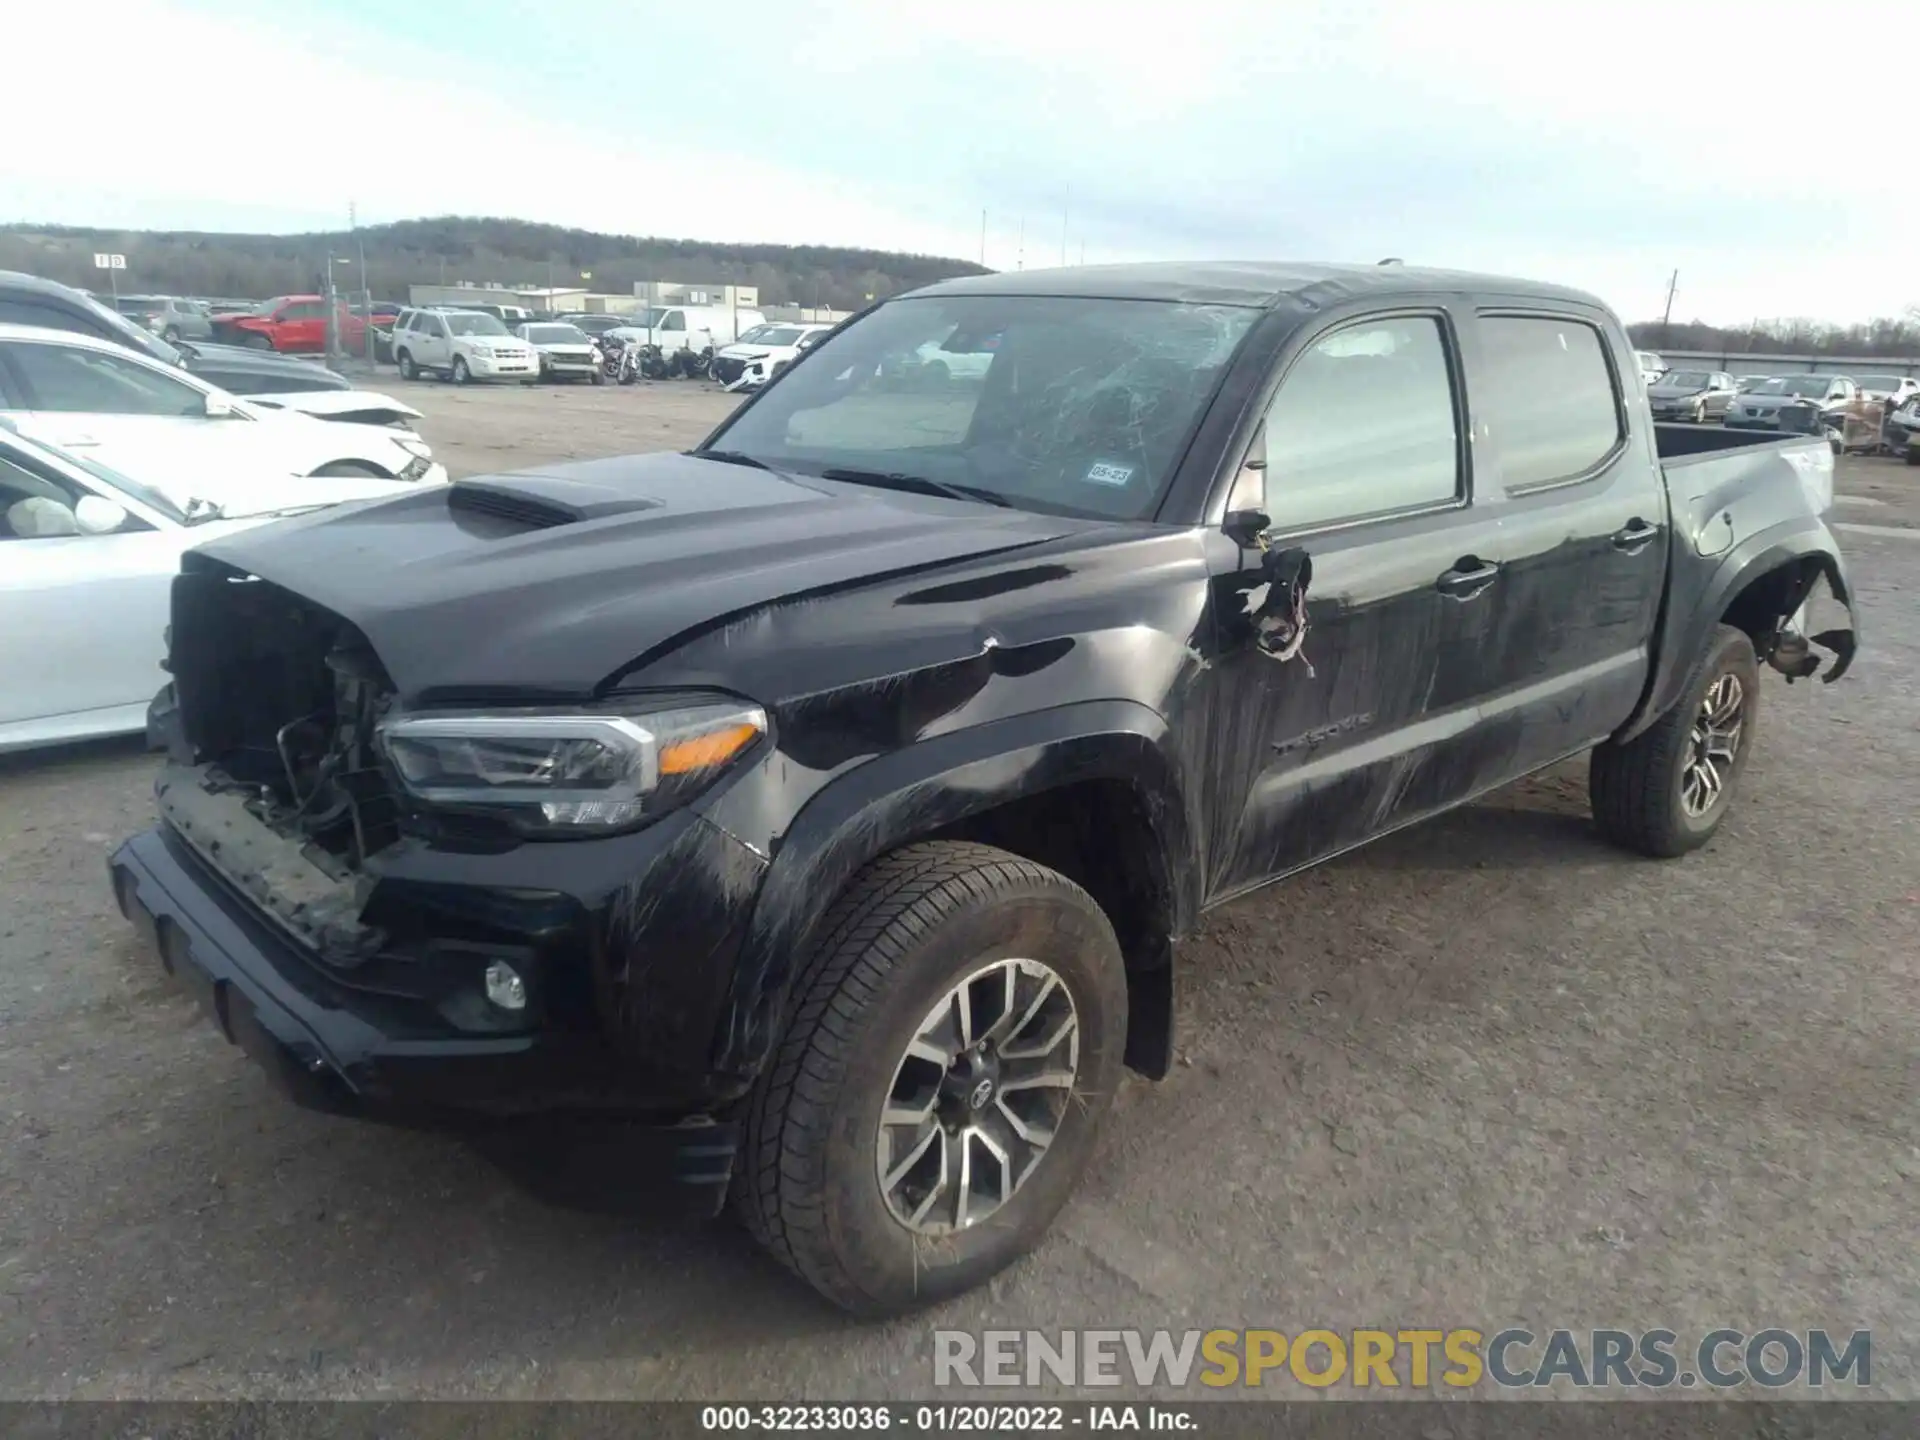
{"x": 158, "y": 421}
{"x": 87, "y": 560}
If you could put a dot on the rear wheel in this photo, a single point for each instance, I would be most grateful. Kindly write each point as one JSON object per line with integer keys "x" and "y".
{"x": 1665, "y": 792}
{"x": 171, "y": 334}
{"x": 256, "y": 341}
{"x": 957, "y": 1039}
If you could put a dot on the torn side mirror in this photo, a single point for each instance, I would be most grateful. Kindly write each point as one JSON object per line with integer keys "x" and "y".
{"x": 1278, "y": 604}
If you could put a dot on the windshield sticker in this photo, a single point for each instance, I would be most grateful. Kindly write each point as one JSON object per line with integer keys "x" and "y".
{"x": 1105, "y": 472}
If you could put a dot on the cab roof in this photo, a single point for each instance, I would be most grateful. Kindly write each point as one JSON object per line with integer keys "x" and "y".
{"x": 1254, "y": 284}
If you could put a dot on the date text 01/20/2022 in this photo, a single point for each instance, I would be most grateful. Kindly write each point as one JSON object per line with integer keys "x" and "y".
{"x": 945, "y": 1419}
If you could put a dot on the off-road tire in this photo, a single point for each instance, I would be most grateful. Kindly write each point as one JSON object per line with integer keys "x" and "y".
{"x": 907, "y": 929}
{"x": 1635, "y": 787}
{"x": 408, "y": 370}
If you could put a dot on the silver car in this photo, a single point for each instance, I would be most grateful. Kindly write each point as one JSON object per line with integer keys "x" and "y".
{"x": 1694, "y": 395}
{"x": 566, "y": 351}
{"x": 1760, "y": 407}
{"x": 167, "y": 316}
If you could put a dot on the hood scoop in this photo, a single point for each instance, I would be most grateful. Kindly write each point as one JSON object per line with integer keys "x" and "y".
{"x": 543, "y": 502}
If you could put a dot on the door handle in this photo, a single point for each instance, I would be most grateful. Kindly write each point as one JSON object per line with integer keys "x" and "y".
{"x": 1468, "y": 577}
{"x": 1635, "y": 536}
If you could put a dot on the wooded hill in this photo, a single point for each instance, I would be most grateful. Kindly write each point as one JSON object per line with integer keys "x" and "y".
{"x": 456, "y": 248}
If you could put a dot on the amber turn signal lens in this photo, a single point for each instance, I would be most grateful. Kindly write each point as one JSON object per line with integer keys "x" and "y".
{"x": 698, "y": 752}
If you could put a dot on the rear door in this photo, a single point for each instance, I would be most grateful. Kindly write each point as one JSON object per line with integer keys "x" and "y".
{"x": 1567, "y": 451}
{"x": 301, "y": 326}
{"x": 432, "y": 347}
{"x": 141, "y": 417}
{"x": 1362, "y": 463}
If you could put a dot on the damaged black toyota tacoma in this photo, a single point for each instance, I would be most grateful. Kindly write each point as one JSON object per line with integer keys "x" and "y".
{"x": 810, "y": 819}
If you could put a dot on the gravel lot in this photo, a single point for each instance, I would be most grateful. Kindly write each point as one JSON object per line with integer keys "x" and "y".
{"x": 1486, "y": 1072}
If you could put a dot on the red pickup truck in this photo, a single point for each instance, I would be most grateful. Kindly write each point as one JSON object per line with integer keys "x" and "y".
{"x": 290, "y": 323}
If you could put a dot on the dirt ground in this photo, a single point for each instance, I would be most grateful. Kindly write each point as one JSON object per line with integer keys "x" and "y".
{"x": 1486, "y": 1072}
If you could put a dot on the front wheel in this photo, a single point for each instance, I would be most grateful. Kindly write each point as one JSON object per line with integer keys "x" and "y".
{"x": 1665, "y": 792}
{"x": 460, "y": 375}
{"x": 256, "y": 341}
{"x": 957, "y": 1038}
{"x": 408, "y": 370}
{"x": 355, "y": 469}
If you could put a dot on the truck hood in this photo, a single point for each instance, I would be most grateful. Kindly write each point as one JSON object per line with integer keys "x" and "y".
{"x": 551, "y": 584}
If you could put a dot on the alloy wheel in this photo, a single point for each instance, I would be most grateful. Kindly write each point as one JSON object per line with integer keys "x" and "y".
{"x": 1713, "y": 745}
{"x": 978, "y": 1097}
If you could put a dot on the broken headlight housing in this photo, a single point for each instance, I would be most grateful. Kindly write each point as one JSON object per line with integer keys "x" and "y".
{"x": 570, "y": 773}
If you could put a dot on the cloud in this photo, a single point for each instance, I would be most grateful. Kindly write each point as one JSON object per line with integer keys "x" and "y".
{"x": 1604, "y": 147}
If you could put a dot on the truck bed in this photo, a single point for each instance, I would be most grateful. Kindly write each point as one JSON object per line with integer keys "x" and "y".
{"x": 1680, "y": 445}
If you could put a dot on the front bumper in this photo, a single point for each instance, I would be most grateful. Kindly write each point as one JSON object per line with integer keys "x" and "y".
{"x": 627, "y": 981}
{"x": 490, "y": 367}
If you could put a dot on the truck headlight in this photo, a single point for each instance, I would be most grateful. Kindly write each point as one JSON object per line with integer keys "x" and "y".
{"x": 570, "y": 773}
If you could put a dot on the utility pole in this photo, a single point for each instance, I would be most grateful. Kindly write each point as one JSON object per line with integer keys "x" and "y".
{"x": 1065, "y": 200}
{"x": 1020, "y": 254}
{"x": 983, "y": 239}
{"x": 1666, "y": 317}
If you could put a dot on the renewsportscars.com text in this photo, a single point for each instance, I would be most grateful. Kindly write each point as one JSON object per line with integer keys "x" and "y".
{"x": 1417, "y": 1359}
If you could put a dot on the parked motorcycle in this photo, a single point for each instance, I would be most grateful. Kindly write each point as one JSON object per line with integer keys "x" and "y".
{"x": 619, "y": 361}
{"x": 653, "y": 364}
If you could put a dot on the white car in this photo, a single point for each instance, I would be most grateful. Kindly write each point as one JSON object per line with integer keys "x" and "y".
{"x": 763, "y": 352}
{"x": 566, "y": 351}
{"x": 361, "y": 407}
{"x": 463, "y": 345}
{"x": 87, "y": 560}
{"x": 1895, "y": 389}
{"x": 158, "y": 421}
{"x": 1652, "y": 367}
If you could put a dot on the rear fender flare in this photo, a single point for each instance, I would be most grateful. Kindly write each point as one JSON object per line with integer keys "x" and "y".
{"x": 1700, "y": 590}
{"x": 923, "y": 788}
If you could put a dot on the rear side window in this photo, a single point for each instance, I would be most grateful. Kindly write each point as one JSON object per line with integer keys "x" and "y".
{"x": 30, "y": 312}
{"x": 1547, "y": 397}
{"x": 1363, "y": 424}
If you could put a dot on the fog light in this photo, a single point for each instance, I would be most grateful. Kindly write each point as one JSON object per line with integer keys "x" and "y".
{"x": 504, "y": 986}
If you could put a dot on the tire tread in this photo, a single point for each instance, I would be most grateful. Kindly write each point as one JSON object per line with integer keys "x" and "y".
{"x": 869, "y": 930}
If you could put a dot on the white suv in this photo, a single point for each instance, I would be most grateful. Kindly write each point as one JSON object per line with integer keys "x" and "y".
{"x": 462, "y": 345}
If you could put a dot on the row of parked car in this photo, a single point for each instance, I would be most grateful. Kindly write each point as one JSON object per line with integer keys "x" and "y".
{"x": 1867, "y": 412}
{"x": 118, "y": 452}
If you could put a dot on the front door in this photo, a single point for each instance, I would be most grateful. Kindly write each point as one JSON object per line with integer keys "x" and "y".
{"x": 85, "y": 613}
{"x": 1319, "y": 740}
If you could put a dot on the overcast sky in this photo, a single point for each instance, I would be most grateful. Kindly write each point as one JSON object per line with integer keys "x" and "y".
{"x": 1598, "y": 144}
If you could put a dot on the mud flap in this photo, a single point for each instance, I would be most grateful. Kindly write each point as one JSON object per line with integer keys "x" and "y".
{"x": 1150, "y": 1029}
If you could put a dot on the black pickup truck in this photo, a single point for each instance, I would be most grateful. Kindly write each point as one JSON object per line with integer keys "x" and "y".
{"x": 813, "y": 816}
